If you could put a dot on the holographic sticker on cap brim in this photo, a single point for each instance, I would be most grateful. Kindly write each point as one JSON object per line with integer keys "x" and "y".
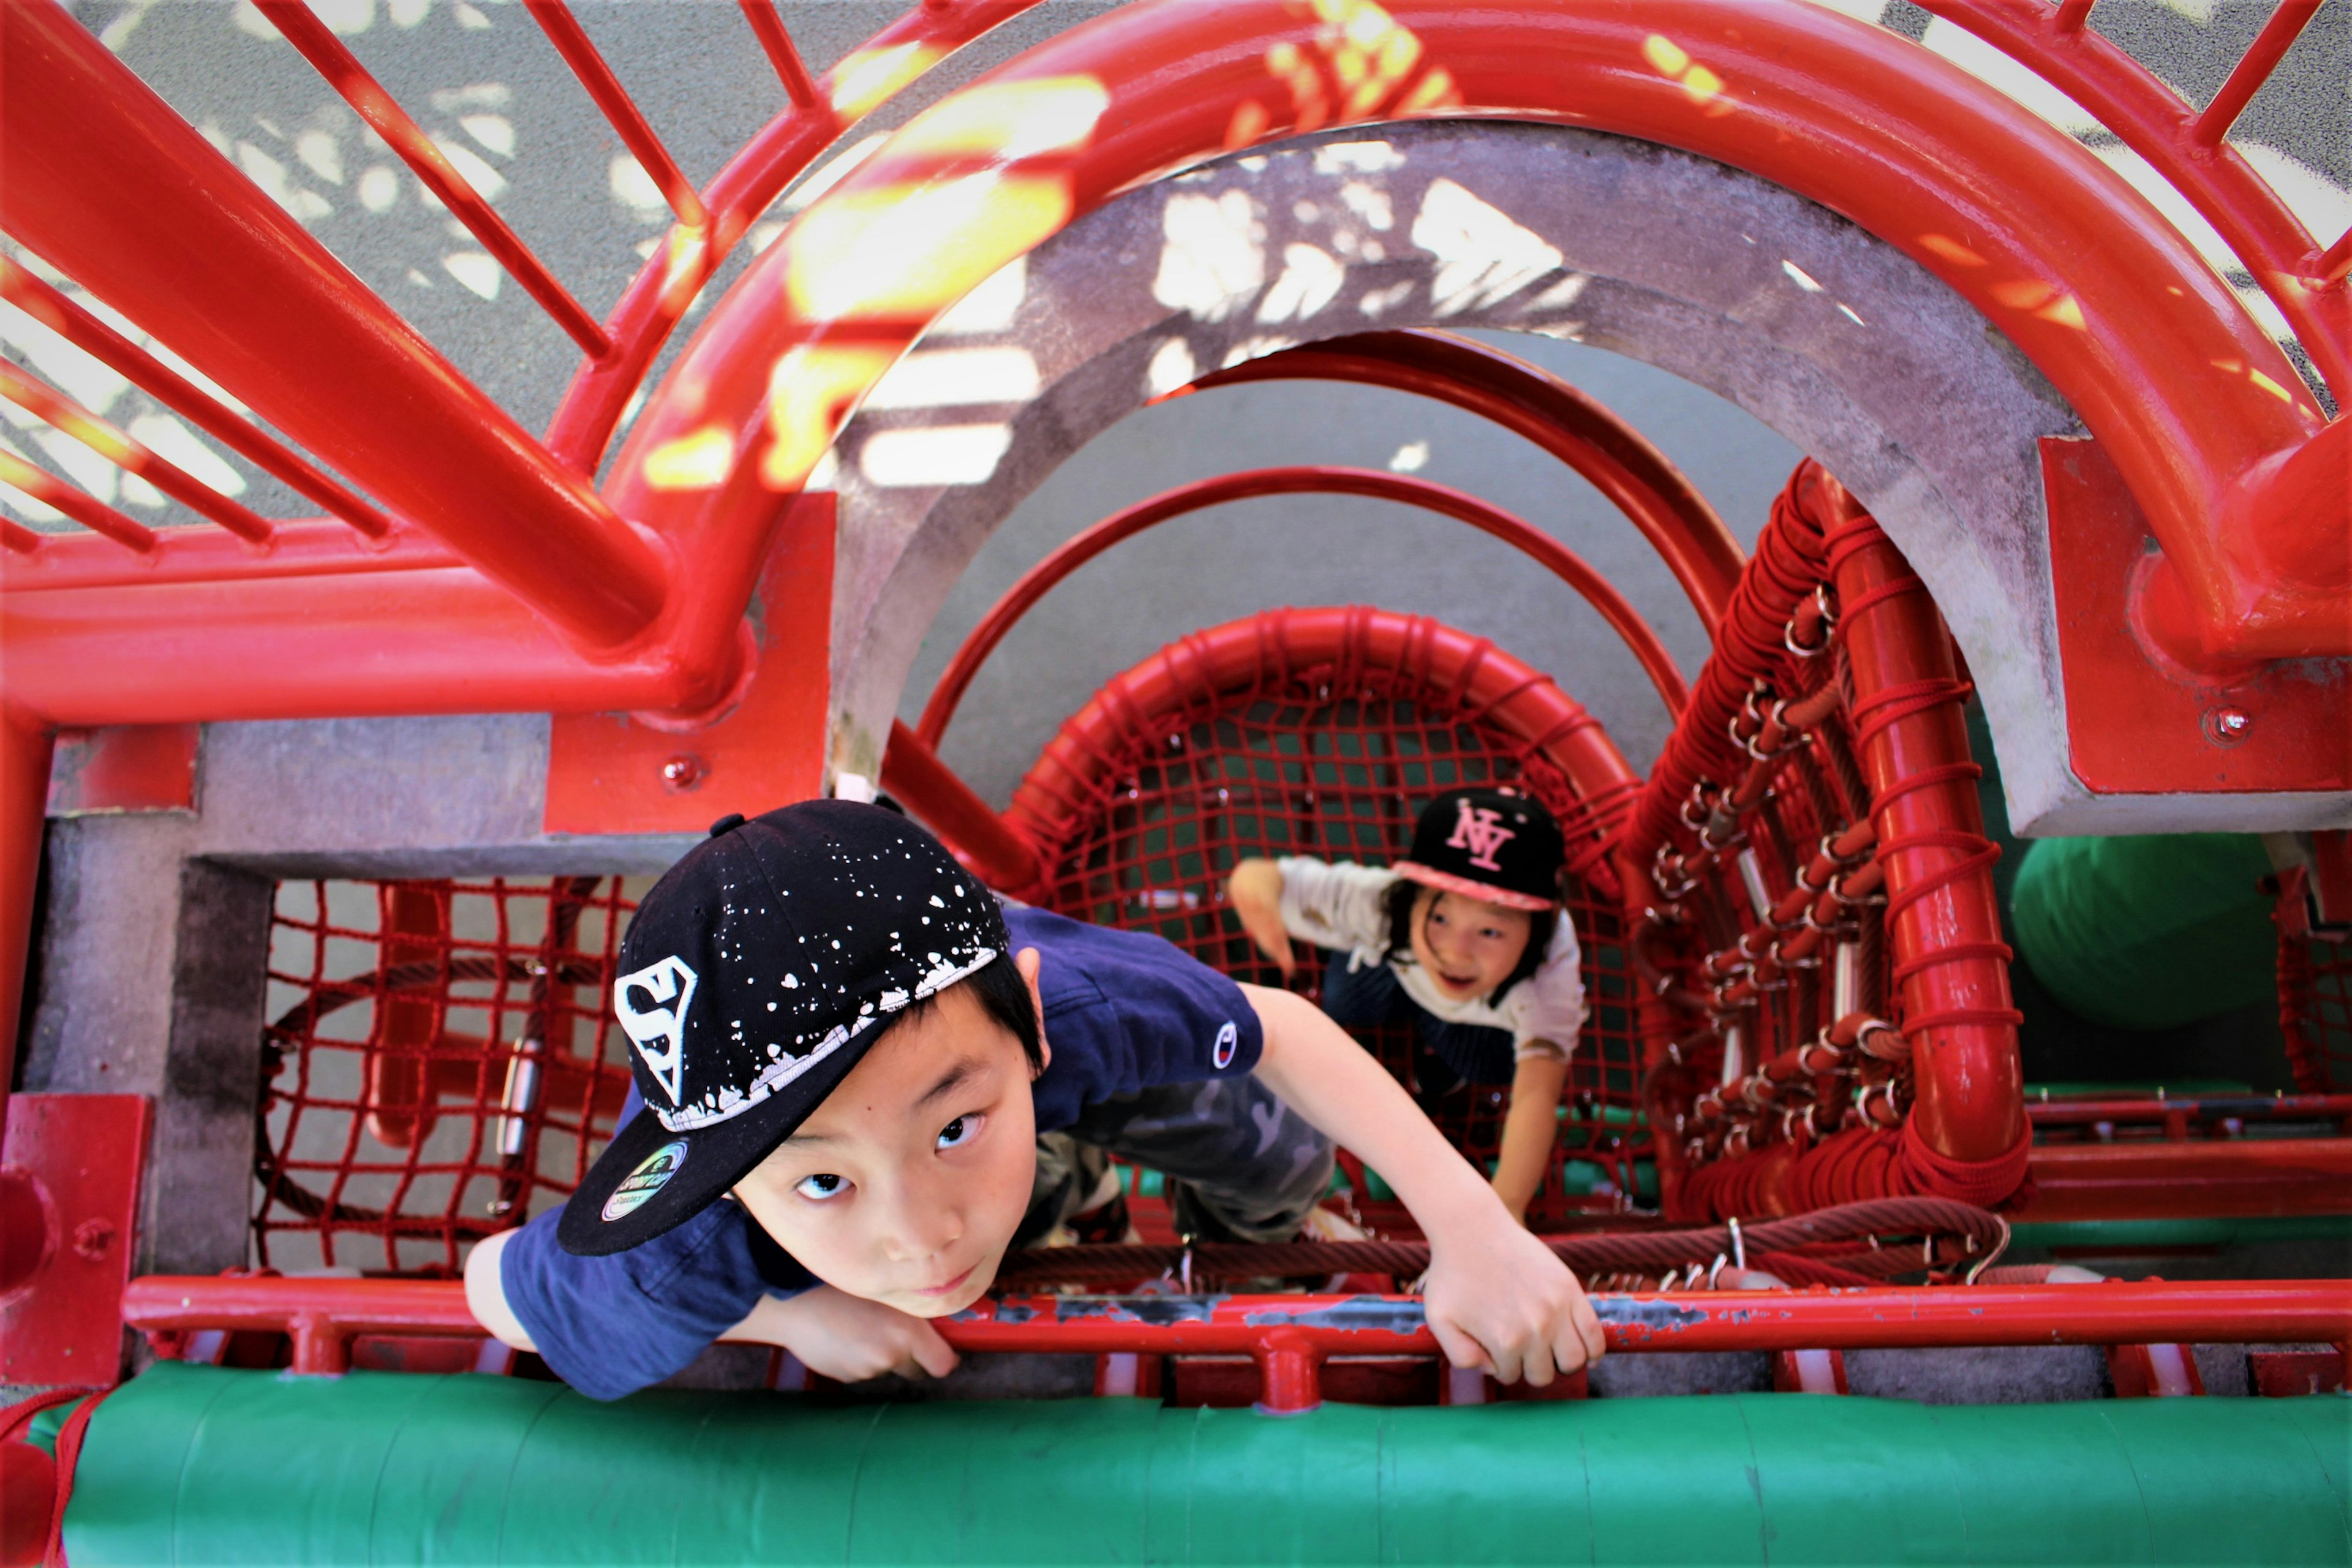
{"x": 652, "y": 1174}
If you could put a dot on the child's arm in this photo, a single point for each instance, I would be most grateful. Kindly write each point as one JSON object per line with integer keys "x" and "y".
{"x": 1529, "y": 1130}
{"x": 1254, "y": 892}
{"x": 846, "y": 1338}
{"x": 1497, "y": 1298}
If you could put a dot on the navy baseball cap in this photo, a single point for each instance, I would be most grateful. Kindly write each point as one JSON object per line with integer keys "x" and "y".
{"x": 1491, "y": 844}
{"x": 752, "y": 982}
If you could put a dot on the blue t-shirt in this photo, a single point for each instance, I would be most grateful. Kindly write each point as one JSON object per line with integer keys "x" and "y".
{"x": 1124, "y": 1012}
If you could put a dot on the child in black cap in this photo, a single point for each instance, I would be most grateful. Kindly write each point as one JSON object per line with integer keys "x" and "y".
{"x": 1464, "y": 940}
{"x": 846, "y": 1053}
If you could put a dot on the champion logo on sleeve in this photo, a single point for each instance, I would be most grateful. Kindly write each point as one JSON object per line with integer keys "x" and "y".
{"x": 1229, "y": 1040}
{"x": 659, "y": 1033}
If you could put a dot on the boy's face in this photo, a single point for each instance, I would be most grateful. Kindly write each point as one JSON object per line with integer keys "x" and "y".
{"x": 905, "y": 1184}
{"x": 1468, "y": 946}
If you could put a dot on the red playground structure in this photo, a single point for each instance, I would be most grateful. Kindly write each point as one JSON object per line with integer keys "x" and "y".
{"x": 319, "y": 832}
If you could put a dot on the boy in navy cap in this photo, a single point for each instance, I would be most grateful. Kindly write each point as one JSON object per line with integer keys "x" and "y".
{"x": 845, "y": 1055}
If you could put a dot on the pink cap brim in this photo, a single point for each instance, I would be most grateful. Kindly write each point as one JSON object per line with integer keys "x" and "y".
{"x": 1447, "y": 882}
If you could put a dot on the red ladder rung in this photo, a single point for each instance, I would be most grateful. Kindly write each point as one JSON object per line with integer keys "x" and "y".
{"x": 83, "y": 508}
{"x": 570, "y": 40}
{"x": 768, "y": 27}
{"x": 62, "y": 413}
{"x": 405, "y": 137}
{"x": 2261, "y": 58}
{"x": 94, "y": 337}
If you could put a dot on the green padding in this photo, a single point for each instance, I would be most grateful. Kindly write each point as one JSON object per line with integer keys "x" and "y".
{"x": 2147, "y": 933}
{"x": 197, "y": 1466}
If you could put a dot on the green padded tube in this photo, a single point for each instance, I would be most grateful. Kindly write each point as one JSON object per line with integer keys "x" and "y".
{"x": 2147, "y": 933}
{"x": 197, "y": 1466}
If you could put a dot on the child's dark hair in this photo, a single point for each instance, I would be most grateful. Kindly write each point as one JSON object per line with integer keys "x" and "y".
{"x": 1397, "y": 905}
{"x": 1002, "y": 994}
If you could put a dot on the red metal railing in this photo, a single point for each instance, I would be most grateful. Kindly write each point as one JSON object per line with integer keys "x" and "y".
{"x": 1539, "y": 546}
{"x": 2303, "y": 278}
{"x": 1291, "y": 1336}
{"x": 1578, "y": 429}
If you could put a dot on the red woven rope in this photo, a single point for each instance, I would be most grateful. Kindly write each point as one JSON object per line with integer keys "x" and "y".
{"x": 1900, "y": 702}
{"x": 1975, "y": 853}
{"x": 1981, "y": 1182}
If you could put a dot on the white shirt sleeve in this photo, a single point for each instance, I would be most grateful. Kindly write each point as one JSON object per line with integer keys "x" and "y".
{"x": 1547, "y": 1009}
{"x": 1335, "y": 905}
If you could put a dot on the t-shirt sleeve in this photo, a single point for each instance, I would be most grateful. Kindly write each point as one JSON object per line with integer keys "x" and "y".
{"x": 1547, "y": 1008}
{"x": 609, "y": 1326}
{"x": 1335, "y": 904}
{"x": 1125, "y": 1011}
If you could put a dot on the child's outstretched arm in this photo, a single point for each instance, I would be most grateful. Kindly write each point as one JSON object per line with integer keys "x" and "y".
{"x": 1498, "y": 1297}
{"x": 1529, "y": 1130}
{"x": 1255, "y": 892}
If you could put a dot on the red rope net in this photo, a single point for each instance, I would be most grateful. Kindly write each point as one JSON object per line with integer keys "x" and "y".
{"x": 440, "y": 1064}
{"x": 1332, "y": 756}
{"x": 2315, "y": 986}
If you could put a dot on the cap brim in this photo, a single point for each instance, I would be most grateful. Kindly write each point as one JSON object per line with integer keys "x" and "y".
{"x": 1447, "y": 882}
{"x": 716, "y": 1157}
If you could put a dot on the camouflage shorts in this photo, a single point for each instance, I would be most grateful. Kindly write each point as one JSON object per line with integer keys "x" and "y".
{"x": 1241, "y": 1165}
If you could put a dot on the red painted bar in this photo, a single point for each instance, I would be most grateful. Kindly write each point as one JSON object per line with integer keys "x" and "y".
{"x": 768, "y": 28}
{"x": 2190, "y": 1179}
{"x": 570, "y": 40}
{"x": 996, "y": 851}
{"x": 1579, "y": 430}
{"x": 77, "y": 504}
{"x": 1305, "y": 480}
{"x": 1288, "y": 1333}
{"x": 62, "y": 413}
{"x": 344, "y": 73}
{"x": 25, "y": 748}
{"x": 151, "y": 375}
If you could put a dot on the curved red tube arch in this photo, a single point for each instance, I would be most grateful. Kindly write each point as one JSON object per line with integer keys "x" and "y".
{"x": 2051, "y": 246}
{"x": 1539, "y": 546}
{"x": 1579, "y": 430}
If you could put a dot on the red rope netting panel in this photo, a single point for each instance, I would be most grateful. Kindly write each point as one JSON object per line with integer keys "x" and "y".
{"x": 2315, "y": 986}
{"x": 440, "y": 1064}
{"x": 1331, "y": 754}
{"x": 1836, "y": 1022}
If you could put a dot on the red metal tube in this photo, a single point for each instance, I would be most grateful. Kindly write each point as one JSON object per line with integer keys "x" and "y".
{"x": 305, "y": 547}
{"x": 477, "y": 650}
{"x": 1517, "y": 699}
{"x": 655, "y": 299}
{"x": 1579, "y": 430}
{"x": 1943, "y": 920}
{"x": 150, "y": 374}
{"x": 768, "y": 28}
{"x": 77, "y": 504}
{"x": 1546, "y": 551}
{"x": 2261, "y": 58}
{"x": 26, "y": 746}
{"x": 326, "y": 1312}
{"x": 311, "y": 38}
{"x": 570, "y": 40}
{"x": 64, "y": 414}
{"x": 2227, "y": 192}
{"x": 2204, "y": 1179}
{"x": 109, "y": 184}
{"x": 2085, "y": 276}
{"x": 997, "y": 852}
